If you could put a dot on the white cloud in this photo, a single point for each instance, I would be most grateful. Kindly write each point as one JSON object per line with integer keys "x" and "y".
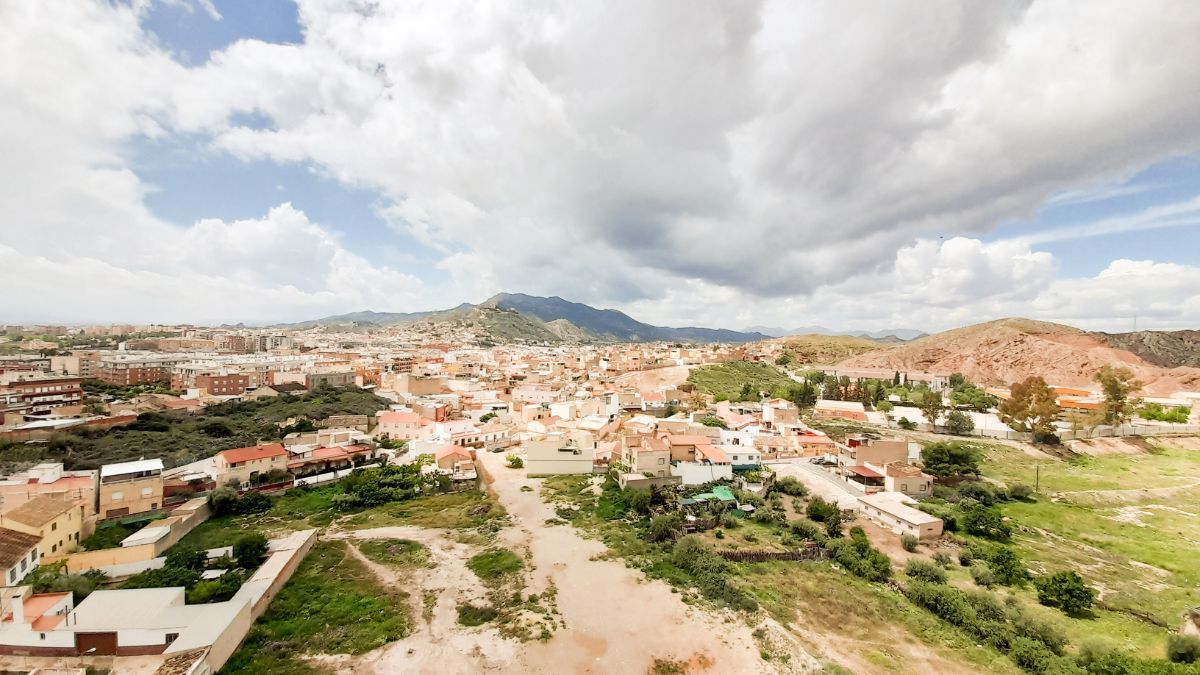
{"x": 690, "y": 163}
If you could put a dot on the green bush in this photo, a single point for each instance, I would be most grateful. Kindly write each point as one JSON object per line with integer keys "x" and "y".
{"x": 1020, "y": 491}
{"x": 942, "y": 558}
{"x": 1065, "y": 590}
{"x": 710, "y": 573}
{"x": 220, "y": 589}
{"x": 227, "y": 502}
{"x": 1007, "y": 566}
{"x": 249, "y": 550}
{"x": 906, "y": 424}
{"x": 186, "y": 557}
{"x": 790, "y": 486}
{"x": 819, "y": 510}
{"x": 808, "y": 530}
{"x": 984, "y": 521}
{"x": 664, "y": 527}
{"x": 959, "y": 423}
{"x": 471, "y": 615}
{"x": 950, "y": 459}
{"x": 1183, "y": 648}
{"x": 923, "y": 570}
{"x": 857, "y": 556}
{"x": 515, "y": 462}
{"x": 1030, "y": 655}
{"x": 909, "y": 542}
{"x": 495, "y": 563}
{"x": 983, "y": 575}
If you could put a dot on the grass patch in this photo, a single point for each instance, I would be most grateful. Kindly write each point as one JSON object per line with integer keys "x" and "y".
{"x": 108, "y": 537}
{"x": 728, "y": 379}
{"x": 494, "y": 564}
{"x": 471, "y": 615}
{"x": 296, "y": 509}
{"x": 451, "y": 510}
{"x": 401, "y": 553}
{"x": 332, "y": 605}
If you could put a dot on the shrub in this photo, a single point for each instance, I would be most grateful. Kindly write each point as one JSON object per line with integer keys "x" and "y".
{"x": 979, "y": 491}
{"x": 249, "y": 550}
{"x": 1046, "y": 633}
{"x": 924, "y": 570}
{"x": 1020, "y": 491}
{"x": 638, "y": 501}
{"x": 471, "y": 615}
{"x": 344, "y": 502}
{"x": 164, "y": 577}
{"x": 984, "y": 521}
{"x": 709, "y": 571}
{"x": 857, "y": 556}
{"x": 1183, "y": 648}
{"x": 495, "y": 563}
{"x": 1007, "y": 566}
{"x": 1030, "y": 655}
{"x": 833, "y": 525}
{"x": 819, "y": 510}
{"x": 945, "y": 602}
{"x": 730, "y": 521}
{"x": 906, "y": 424}
{"x": 942, "y": 558}
{"x": 983, "y": 575}
{"x": 186, "y": 557}
{"x": 663, "y": 528}
{"x": 214, "y": 590}
{"x": 909, "y": 542}
{"x": 1065, "y": 590}
{"x": 515, "y": 462}
{"x": 808, "y": 530}
{"x": 790, "y": 486}
{"x": 227, "y": 502}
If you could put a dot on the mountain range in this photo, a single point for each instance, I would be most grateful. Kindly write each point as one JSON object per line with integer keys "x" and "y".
{"x": 520, "y": 317}
{"x": 888, "y": 334}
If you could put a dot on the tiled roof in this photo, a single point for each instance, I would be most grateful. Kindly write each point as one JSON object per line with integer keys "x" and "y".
{"x": 14, "y": 546}
{"x": 38, "y": 511}
{"x": 239, "y": 455}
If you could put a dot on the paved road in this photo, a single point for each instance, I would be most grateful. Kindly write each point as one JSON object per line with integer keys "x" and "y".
{"x": 820, "y": 482}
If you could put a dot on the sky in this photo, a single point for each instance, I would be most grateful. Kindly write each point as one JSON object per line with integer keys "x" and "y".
{"x": 912, "y": 164}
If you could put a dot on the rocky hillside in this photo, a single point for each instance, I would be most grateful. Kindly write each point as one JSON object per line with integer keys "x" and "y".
{"x": 1008, "y": 350}
{"x": 1169, "y": 349}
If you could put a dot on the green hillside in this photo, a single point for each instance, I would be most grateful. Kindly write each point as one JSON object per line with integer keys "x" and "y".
{"x": 727, "y": 380}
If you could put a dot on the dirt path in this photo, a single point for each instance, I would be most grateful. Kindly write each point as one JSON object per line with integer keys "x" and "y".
{"x": 438, "y": 645}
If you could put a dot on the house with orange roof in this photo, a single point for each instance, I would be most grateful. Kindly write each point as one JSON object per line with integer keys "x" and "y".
{"x": 244, "y": 465}
{"x": 405, "y": 426}
{"x": 454, "y": 461}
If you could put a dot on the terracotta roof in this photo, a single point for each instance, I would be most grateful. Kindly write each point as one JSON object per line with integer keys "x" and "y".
{"x": 239, "y": 455}
{"x": 903, "y": 470}
{"x": 38, "y": 511}
{"x": 685, "y": 439}
{"x": 14, "y": 546}
{"x": 713, "y": 454}
{"x": 451, "y": 450}
{"x": 399, "y": 418}
{"x": 864, "y": 472}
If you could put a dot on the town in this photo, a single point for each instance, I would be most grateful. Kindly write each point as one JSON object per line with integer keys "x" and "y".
{"x": 184, "y": 475}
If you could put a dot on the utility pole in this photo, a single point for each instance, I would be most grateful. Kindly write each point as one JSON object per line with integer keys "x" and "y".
{"x": 1037, "y": 477}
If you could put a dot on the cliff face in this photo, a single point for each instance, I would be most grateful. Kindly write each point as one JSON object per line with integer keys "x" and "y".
{"x": 1170, "y": 349}
{"x": 1009, "y": 350}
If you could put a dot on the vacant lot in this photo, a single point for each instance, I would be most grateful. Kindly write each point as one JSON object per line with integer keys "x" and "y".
{"x": 1129, "y": 523}
{"x": 726, "y": 380}
{"x": 333, "y": 604}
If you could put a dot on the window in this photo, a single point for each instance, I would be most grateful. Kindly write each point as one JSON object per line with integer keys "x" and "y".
{"x": 24, "y": 564}
{"x": 146, "y": 492}
{"x": 41, "y": 636}
{"x": 12, "y": 576}
{"x": 661, "y": 460}
{"x": 53, "y": 526}
{"x": 171, "y": 637}
{"x": 118, "y": 496}
{"x": 53, "y": 548}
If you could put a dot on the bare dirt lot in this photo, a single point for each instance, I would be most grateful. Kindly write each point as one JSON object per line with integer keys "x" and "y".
{"x": 611, "y": 619}
{"x": 657, "y": 378}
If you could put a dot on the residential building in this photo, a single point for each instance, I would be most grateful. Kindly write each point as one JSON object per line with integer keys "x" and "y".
{"x": 850, "y": 410}
{"x": 129, "y": 488}
{"x": 57, "y": 523}
{"x": 124, "y": 368}
{"x": 50, "y": 480}
{"x": 244, "y": 465}
{"x": 19, "y": 553}
{"x": 646, "y": 455}
{"x": 333, "y": 379}
{"x": 561, "y": 454}
{"x": 456, "y": 462}
{"x": 892, "y": 510}
{"x": 398, "y": 425}
{"x": 907, "y": 479}
{"x": 34, "y": 393}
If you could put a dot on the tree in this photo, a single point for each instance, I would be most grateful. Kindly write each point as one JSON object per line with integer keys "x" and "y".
{"x": 1007, "y": 566}
{"x": 1117, "y": 384}
{"x": 896, "y": 379}
{"x": 984, "y": 521}
{"x": 950, "y": 459}
{"x": 713, "y": 422}
{"x": 907, "y": 424}
{"x": 1065, "y": 590}
{"x": 957, "y": 380}
{"x": 959, "y": 423}
{"x": 884, "y": 407}
{"x": 931, "y": 407}
{"x": 783, "y": 360}
{"x": 187, "y": 558}
{"x": 249, "y": 549}
{"x": 1032, "y": 407}
{"x": 487, "y": 417}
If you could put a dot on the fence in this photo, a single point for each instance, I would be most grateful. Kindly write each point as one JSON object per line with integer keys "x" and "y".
{"x": 1072, "y": 434}
{"x": 805, "y": 554}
